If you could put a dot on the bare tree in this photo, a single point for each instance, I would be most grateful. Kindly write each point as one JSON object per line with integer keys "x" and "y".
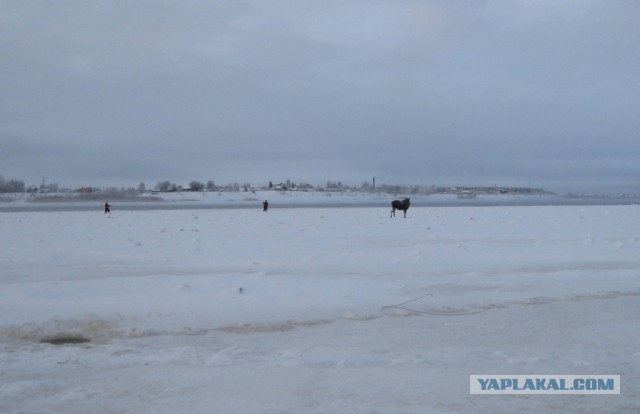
{"x": 196, "y": 186}
{"x": 11, "y": 186}
{"x": 163, "y": 186}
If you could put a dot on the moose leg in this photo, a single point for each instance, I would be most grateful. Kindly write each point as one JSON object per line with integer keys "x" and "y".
{"x": 393, "y": 212}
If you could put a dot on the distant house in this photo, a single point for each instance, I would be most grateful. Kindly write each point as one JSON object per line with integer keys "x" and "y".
{"x": 305, "y": 187}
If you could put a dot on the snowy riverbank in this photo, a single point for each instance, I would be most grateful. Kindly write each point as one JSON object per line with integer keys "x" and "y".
{"x": 286, "y": 199}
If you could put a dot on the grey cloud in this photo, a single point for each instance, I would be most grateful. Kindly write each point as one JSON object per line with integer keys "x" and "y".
{"x": 418, "y": 92}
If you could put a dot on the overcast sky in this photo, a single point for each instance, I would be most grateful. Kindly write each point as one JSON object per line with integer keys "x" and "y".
{"x": 529, "y": 93}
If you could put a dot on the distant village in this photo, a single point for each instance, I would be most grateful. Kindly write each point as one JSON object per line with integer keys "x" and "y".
{"x": 15, "y": 186}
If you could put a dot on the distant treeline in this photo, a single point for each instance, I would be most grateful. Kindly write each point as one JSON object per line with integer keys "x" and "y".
{"x": 16, "y": 186}
{"x": 11, "y": 186}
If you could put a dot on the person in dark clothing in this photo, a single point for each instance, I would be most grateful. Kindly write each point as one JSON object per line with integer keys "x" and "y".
{"x": 265, "y": 205}
{"x": 107, "y": 208}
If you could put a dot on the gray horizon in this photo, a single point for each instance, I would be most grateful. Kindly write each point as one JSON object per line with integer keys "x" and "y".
{"x": 527, "y": 94}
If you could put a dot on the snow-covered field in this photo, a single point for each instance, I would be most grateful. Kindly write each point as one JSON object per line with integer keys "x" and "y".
{"x": 240, "y": 311}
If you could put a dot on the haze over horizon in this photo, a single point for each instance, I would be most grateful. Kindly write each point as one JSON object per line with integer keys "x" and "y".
{"x": 538, "y": 94}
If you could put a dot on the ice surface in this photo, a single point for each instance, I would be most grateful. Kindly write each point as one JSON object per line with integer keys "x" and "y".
{"x": 316, "y": 310}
